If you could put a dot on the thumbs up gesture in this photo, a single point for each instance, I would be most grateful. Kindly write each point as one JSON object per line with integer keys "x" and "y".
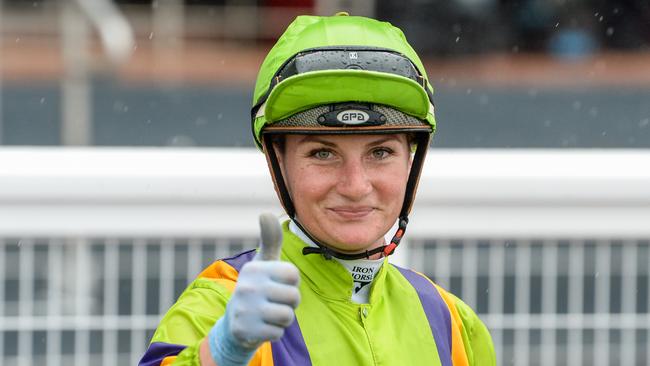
{"x": 261, "y": 306}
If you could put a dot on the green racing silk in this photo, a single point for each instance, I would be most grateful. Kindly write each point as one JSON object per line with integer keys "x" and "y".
{"x": 408, "y": 320}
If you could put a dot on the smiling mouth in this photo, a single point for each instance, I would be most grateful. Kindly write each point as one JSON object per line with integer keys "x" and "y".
{"x": 352, "y": 213}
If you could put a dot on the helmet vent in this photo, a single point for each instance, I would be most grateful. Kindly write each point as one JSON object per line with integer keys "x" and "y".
{"x": 349, "y": 115}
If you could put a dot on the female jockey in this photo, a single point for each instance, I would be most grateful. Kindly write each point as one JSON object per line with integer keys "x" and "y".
{"x": 343, "y": 111}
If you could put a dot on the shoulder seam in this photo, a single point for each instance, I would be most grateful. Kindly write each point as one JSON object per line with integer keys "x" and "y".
{"x": 208, "y": 284}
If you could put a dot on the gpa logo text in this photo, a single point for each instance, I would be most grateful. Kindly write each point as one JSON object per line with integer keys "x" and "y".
{"x": 352, "y": 117}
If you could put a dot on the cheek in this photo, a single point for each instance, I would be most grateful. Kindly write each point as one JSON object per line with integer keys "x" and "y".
{"x": 307, "y": 185}
{"x": 393, "y": 188}
{"x": 396, "y": 188}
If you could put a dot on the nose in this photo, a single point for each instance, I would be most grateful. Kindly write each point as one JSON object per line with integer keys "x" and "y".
{"x": 354, "y": 181}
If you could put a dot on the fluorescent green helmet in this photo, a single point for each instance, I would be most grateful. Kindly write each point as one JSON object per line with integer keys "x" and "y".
{"x": 343, "y": 75}
{"x": 325, "y": 60}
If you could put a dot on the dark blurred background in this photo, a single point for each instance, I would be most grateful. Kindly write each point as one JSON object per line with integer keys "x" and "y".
{"x": 508, "y": 73}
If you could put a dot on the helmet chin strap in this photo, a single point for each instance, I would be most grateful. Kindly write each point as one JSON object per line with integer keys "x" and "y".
{"x": 325, "y": 250}
{"x": 328, "y": 252}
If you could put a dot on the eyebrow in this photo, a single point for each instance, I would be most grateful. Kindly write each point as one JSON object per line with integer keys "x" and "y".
{"x": 314, "y": 138}
{"x": 387, "y": 138}
{"x": 317, "y": 139}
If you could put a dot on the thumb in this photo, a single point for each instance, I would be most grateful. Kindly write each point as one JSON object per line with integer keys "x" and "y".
{"x": 271, "y": 235}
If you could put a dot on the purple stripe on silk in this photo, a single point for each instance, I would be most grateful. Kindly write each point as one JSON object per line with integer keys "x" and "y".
{"x": 158, "y": 351}
{"x": 437, "y": 313}
{"x": 238, "y": 261}
{"x": 291, "y": 350}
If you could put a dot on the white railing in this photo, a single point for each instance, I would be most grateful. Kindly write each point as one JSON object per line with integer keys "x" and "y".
{"x": 552, "y": 248}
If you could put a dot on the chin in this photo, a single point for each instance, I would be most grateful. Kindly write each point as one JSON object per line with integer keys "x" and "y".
{"x": 355, "y": 242}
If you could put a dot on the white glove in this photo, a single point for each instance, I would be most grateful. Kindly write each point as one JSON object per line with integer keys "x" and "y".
{"x": 260, "y": 308}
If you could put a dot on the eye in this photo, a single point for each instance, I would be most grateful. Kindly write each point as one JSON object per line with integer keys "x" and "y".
{"x": 321, "y": 154}
{"x": 381, "y": 153}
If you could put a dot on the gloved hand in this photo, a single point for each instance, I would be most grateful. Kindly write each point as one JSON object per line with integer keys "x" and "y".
{"x": 260, "y": 308}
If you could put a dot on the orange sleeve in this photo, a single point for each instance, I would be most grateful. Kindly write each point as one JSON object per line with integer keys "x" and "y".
{"x": 222, "y": 273}
{"x": 263, "y": 356}
{"x": 168, "y": 361}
